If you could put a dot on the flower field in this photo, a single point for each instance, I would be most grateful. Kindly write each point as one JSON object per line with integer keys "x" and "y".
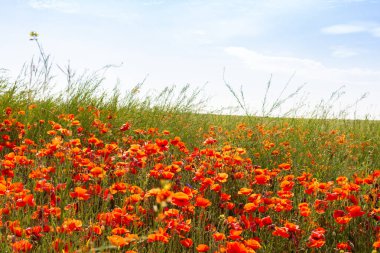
{"x": 84, "y": 178}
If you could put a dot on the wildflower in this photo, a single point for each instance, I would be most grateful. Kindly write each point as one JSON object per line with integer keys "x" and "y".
{"x": 317, "y": 238}
{"x": 159, "y": 236}
{"x": 304, "y": 209}
{"x": 33, "y": 35}
{"x": 320, "y": 206}
{"x": 222, "y": 177}
{"x": 340, "y": 217}
{"x": 202, "y": 202}
{"x": 343, "y": 246}
{"x": 284, "y": 166}
{"x": 71, "y": 225}
{"x": 80, "y": 193}
{"x": 235, "y": 234}
{"x": 180, "y": 199}
{"x": 262, "y": 179}
{"x": 355, "y": 211}
{"x": 22, "y": 246}
{"x": 187, "y": 242}
{"x": 126, "y": 126}
{"x": 281, "y": 231}
{"x": 209, "y": 141}
{"x": 119, "y": 241}
{"x": 97, "y": 172}
{"x": 236, "y": 247}
{"x": 250, "y": 207}
{"x": 202, "y": 248}
{"x": 118, "y": 187}
{"x": 218, "y": 236}
{"x": 253, "y": 244}
{"x": 266, "y": 221}
{"x": 245, "y": 191}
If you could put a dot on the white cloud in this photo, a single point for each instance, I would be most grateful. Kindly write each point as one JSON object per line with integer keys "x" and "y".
{"x": 321, "y": 80}
{"x": 343, "y": 29}
{"x": 344, "y": 52}
{"x": 272, "y": 64}
{"x": 58, "y": 5}
{"x": 304, "y": 67}
{"x": 370, "y": 28}
{"x": 103, "y": 9}
{"x": 376, "y": 32}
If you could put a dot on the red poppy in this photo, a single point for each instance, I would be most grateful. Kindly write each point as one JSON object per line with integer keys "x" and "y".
{"x": 281, "y": 231}
{"x": 355, "y": 211}
{"x": 180, "y": 199}
{"x": 187, "y": 242}
{"x": 236, "y": 247}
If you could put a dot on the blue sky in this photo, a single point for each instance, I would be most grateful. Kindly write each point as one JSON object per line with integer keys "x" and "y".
{"x": 326, "y": 44}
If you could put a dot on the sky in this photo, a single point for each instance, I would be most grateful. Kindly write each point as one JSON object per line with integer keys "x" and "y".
{"x": 317, "y": 46}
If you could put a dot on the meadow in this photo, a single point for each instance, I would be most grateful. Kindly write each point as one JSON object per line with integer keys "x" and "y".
{"x": 87, "y": 171}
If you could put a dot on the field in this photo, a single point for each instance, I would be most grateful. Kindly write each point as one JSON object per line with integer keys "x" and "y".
{"x": 83, "y": 172}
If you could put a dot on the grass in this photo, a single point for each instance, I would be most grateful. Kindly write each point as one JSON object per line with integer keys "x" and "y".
{"x": 87, "y": 171}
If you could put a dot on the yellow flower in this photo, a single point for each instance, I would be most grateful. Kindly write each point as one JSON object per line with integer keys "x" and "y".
{"x": 33, "y": 34}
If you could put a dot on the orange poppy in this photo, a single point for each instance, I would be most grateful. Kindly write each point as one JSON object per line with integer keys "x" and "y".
{"x": 236, "y": 247}
{"x": 202, "y": 248}
{"x": 202, "y": 202}
{"x": 119, "y": 241}
{"x": 253, "y": 244}
{"x": 218, "y": 236}
{"x": 80, "y": 193}
{"x": 22, "y": 246}
{"x": 180, "y": 199}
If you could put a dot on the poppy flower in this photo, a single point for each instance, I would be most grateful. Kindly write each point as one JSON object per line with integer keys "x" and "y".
{"x": 355, "y": 211}
{"x": 202, "y": 248}
{"x": 253, "y": 244}
{"x": 343, "y": 246}
{"x": 218, "y": 236}
{"x": 250, "y": 207}
{"x": 284, "y": 166}
{"x": 236, "y": 247}
{"x": 71, "y": 225}
{"x": 292, "y": 227}
{"x": 98, "y": 172}
{"x": 159, "y": 236}
{"x": 80, "y": 193}
{"x": 266, "y": 221}
{"x": 118, "y": 187}
{"x": 126, "y": 126}
{"x": 187, "y": 243}
{"x": 22, "y": 246}
{"x": 180, "y": 199}
{"x": 262, "y": 179}
{"x": 341, "y": 217}
{"x": 235, "y": 234}
{"x": 245, "y": 191}
{"x": 317, "y": 238}
{"x": 222, "y": 177}
{"x": 202, "y": 202}
{"x": 119, "y": 241}
{"x": 281, "y": 231}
